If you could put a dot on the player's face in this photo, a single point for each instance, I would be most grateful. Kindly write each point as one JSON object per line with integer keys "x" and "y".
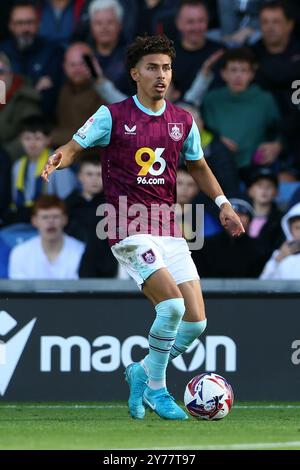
{"x": 263, "y": 191}
{"x": 90, "y": 177}
{"x": 295, "y": 230}
{"x": 50, "y": 223}
{"x": 153, "y": 76}
{"x": 34, "y": 143}
{"x": 275, "y": 27}
{"x": 105, "y": 26}
{"x": 238, "y": 76}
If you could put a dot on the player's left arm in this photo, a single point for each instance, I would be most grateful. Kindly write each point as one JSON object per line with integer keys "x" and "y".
{"x": 209, "y": 185}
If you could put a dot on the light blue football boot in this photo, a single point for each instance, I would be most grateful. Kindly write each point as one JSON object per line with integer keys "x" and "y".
{"x": 163, "y": 404}
{"x": 136, "y": 378}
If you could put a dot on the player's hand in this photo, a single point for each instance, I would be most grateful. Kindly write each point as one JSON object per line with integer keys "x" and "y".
{"x": 51, "y": 165}
{"x": 231, "y": 221}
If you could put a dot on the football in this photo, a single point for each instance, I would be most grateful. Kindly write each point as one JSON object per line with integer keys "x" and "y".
{"x": 208, "y": 396}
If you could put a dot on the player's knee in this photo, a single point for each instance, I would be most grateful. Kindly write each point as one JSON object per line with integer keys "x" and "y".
{"x": 173, "y": 309}
{"x": 177, "y": 308}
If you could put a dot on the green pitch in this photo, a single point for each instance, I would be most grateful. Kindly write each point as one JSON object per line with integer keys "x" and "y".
{"x": 100, "y": 425}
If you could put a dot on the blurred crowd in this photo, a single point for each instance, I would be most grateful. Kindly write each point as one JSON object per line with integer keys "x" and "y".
{"x": 237, "y": 70}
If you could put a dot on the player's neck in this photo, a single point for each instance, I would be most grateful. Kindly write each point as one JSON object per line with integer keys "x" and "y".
{"x": 148, "y": 103}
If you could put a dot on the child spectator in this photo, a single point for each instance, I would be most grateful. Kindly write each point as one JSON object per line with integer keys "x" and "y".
{"x": 27, "y": 185}
{"x": 52, "y": 254}
{"x": 82, "y": 203}
{"x": 285, "y": 262}
{"x": 265, "y": 224}
{"x": 187, "y": 190}
{"x": 245, "y": 117}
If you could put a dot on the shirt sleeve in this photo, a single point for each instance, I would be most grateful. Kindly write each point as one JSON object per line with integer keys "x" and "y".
{"x": 191, "y": 149}
{"x": 96, "y": 130}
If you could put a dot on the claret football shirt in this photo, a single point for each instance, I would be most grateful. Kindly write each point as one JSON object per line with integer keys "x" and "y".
{"x": 139, "y": 155}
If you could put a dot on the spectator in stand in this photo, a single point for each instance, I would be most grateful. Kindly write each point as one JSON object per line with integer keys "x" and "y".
{"x": 97, "y": 260}
{"x": 77, "y": 98}
{"x": 244, "y": 116}
{"x": 22, "y": 101}
{"x": 51, "y": 254}
{"x": 278, "y": 57}
{"x": 59, "y": 19}
{"x": 32, "y": 56}
{"x": 223, "y": 256}
{"x": 193, "y": 48}
{"x": 239, "y": 21}
{"x": 151, "y": 17}
{"x": 82, "y": 203}
{"x": 186, "y": 190}
{"x": 154, "y": 16}
{"x": 285, "y": 262}
{"x": 5, "y": 183}
{"x": 265, "y": 224}
{"x": 27, "y": 184}
{"x": 108, "y": 43}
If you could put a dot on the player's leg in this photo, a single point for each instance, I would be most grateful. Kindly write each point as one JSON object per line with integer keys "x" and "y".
{"x": 142, "y": 258}
{"x": 183, "y": 270}
{"x": 167, "y": 299}
{"x": 193, "y": 322}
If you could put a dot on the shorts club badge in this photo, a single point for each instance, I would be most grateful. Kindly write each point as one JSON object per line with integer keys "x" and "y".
{"x": 149, "y": 257}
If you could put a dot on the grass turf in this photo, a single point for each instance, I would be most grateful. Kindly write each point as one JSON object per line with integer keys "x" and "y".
{"x": 108, "y": 426}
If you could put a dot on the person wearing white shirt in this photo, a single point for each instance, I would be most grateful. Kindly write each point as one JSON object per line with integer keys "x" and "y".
{"x": 285, "y": 262}
{"x": 52, "y": 254}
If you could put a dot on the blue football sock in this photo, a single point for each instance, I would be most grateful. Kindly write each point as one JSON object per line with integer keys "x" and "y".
{"x": 187, "y": 333}
{"x": 161, "y": 338}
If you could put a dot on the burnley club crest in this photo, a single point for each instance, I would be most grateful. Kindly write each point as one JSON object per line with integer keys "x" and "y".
{"x": 175, "y": 130}
{"x": 149, "y": 257}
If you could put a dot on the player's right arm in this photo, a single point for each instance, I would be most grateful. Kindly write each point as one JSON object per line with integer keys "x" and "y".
{"x": 63, "y": 157}
{"x": 96, "y": 131}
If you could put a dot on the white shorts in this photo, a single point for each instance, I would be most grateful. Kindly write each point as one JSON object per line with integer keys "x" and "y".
{"x": 142, "y": 255}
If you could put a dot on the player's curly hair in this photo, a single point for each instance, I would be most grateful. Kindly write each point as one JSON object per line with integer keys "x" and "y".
{"x": 149, "y": 45}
